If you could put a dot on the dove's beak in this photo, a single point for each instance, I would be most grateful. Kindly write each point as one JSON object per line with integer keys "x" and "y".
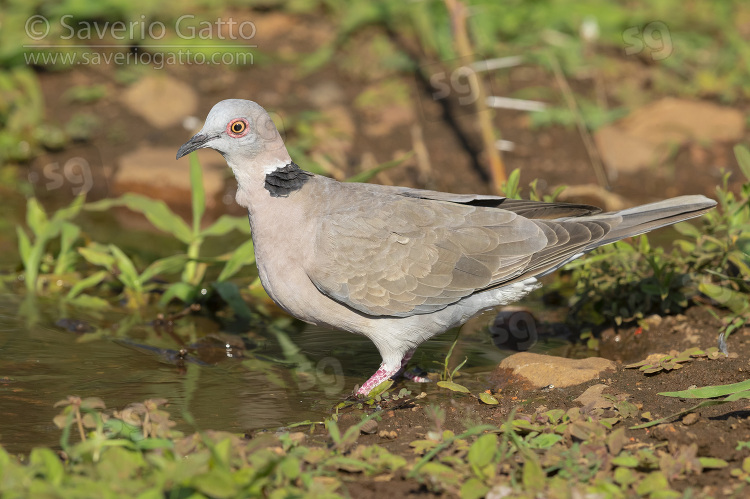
{"x": 198, "y": 141}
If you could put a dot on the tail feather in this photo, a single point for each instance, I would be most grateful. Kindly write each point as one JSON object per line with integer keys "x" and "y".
{"x": 620, "y": 224}
{"x": 647, "y": 217}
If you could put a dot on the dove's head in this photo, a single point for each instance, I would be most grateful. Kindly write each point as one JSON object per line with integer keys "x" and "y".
{"x": 243, "y": 133}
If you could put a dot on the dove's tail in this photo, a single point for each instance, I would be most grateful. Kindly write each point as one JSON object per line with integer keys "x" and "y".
{"x": 647, "y": 217}
{"x": 620, "y": 224}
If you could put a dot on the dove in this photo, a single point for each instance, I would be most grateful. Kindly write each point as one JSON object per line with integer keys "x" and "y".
{"x": 396, "y": 264}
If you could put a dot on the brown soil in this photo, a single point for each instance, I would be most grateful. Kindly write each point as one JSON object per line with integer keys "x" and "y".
{"x": 716, "y": 431}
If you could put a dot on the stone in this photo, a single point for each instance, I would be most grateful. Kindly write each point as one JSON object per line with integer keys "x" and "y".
{"x": 624, "y": 153}
{"x": 647, "y": 135}
{"x": 161, "y": 100}
{"x": 691, "y": 419}
{"x": 369, "y": 427}
{"x": 544, "y": 370}
{"x": 153, "y": 172}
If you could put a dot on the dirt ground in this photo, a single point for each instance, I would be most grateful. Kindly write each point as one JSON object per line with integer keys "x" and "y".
{"x": 716, "y": 431}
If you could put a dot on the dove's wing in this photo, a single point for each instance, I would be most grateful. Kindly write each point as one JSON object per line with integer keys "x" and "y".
{"x": 401, "y": 256}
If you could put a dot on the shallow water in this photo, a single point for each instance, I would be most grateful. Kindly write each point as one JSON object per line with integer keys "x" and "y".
{"x": 41, "y": 363}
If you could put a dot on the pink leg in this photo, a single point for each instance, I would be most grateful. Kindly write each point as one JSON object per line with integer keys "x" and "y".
{"x": 382, "y": 374}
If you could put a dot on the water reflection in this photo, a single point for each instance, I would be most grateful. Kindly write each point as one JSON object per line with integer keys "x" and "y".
{"x": 288, "y": 378}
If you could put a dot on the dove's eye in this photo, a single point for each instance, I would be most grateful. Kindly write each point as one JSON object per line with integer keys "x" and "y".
{"x": 237, "y": 128}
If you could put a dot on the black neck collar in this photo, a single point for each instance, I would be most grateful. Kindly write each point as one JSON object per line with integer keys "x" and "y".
{"x": 283, "y": 181}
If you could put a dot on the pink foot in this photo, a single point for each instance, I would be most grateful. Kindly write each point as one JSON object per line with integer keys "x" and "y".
{"x": 380, "y": 375}
{"x": 416, "y": 378}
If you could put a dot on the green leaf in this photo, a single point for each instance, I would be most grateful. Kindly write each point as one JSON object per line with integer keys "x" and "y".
{"x": 707, "y": 392}
{"x": 473, "y": 489}
{"x": 128, "y": 274}
{"x": 87, "y": 282}
{"x": 156, "y": 211}
{"x": 381, "y": 388}
{"x": 482, "y": 451}
{"x": 243, "y": 255}
{"x": 533, "y": 475}
{"x": 453, "y": 386}
{"x": 654, "y": 482}
{"x": 24, "y": 246}
{"x": 154, "y": 443}
{"x": 47, "y": 461}
{"x": 713, "y": 462}
{"x": 488, "y": 399}
{"x": 36, "y": 218}
{"x": 626, "y": 460}
{"x": 198, "y": 192}
{"x": 687, "y": 229}
{"x": 216, "y": 483}
{"x": 743, "y": 158}
{"x": 230, "y": 293}
{"x": 88, "y": 301}
{"x": 510, "y": 188}
{"x": 97, "y": 254}
{"x": 545, "y": 440}
{"x": 226, "y": 224}
{"x": 168, "y": 265}
{"x": 70, "y": 211}
{"x": 66, "y": 257}
{"x": 733, "y": 300}
{"x": 180, "y": 290}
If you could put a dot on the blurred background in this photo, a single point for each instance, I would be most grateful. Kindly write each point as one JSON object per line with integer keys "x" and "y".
{"x": 624, "y": 102}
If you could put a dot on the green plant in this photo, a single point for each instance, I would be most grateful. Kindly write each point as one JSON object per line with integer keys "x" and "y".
{"x": 511, "y": 189}
{"x": 623, "y": 282}
{"x": 136, "y": 285}
{"x": 21, "y": 112}
{"x": 195, "y": 266}
{"x": 44, "y": 229}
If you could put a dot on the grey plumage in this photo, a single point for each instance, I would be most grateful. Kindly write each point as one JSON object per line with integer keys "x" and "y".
{"x": 395, "y": 264}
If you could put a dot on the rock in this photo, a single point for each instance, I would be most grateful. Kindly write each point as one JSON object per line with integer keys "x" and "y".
{"x": 391, "y": 435}
{"x": 162, "y": 101}
{"x": 154, "y": 172}
{"x": 369, "y": 427}
{"x": 545, "y": 370}
{"x": 652, "y": 321}
{"x": 671, "y": 120}
{"x": 691, "y": 419}
{"x": 665, "y": 431}
{"x": 297, "y": 437}
{"x": 647, "y": 135}
{"x": 624, "y": 153}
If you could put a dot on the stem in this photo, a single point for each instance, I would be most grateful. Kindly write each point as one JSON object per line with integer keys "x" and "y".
{"x": 457, "y": 11}
{"x": 80, "y": 424}
{"x": 191, "y": 268}
{"x": 588, "y": 142}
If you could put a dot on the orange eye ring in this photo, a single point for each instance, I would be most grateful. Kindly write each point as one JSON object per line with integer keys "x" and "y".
{"x": 238, "y": 128}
